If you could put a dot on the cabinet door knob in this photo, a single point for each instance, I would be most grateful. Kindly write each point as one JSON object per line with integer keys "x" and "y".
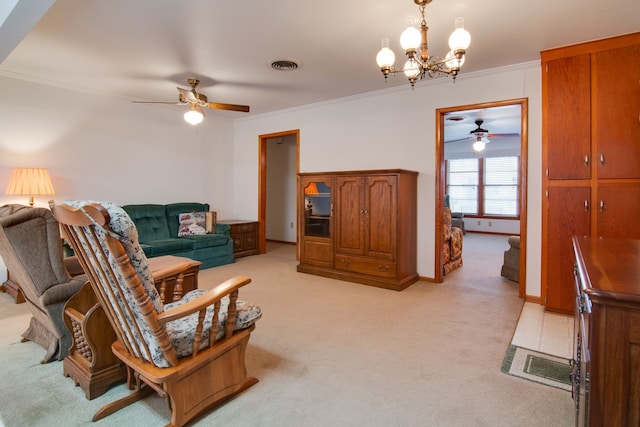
{"x": 586, "y": 160}
{"x": 602, "y": 206}
{"x": 586, "y": 206}
{"x": 602, "y": 159}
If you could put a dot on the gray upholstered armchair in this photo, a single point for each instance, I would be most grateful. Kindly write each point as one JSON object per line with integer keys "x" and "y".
{"x": 511, "y": 266}
{"x": 31, "y": 247}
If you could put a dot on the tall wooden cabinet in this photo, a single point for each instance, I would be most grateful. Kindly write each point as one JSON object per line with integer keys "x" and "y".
{"x": 591, "y": 153}
{"x": 360, "y": 226}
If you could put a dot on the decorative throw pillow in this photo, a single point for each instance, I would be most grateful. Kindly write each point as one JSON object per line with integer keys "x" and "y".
{"x": 210, "y": 222}
{"x": 191, "y": 224}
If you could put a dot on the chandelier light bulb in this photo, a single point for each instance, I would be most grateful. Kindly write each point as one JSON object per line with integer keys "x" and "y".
{"x": 460, "y": 39}
{"x": 453, "y": 63}
{"x": 410, "y": 38}
{"x": 385, "y": 57}
{"x": 194, "y": 116}
{"x": 411, "y": 69}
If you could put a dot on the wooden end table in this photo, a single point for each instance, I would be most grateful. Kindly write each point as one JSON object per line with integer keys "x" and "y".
{"x": 244, "y": 235}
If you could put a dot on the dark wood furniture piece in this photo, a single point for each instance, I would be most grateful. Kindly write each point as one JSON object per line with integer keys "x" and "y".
{"x": 90, "y": 362}
{"x": 191, "y": 379}
{"x": 606, "y": 374}
{"x": 360, "y": 226}
{"x": 244, "y": 235}
{"x": 13, "y": 289}
{"x": 590, "y": 153}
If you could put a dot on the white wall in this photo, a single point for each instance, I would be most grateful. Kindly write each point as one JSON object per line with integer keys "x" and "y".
{"x": 395, "y": 128}
{"x": 110, "y": 149}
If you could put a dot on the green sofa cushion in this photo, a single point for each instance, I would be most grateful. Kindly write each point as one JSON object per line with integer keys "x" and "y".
{"x": 150, "y": 221}
{"x": 207, "y": 240}
{"x": 167, "y": 247}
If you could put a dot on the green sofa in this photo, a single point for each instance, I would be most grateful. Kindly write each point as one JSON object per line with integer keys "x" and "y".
{"x": 157, "y": 227}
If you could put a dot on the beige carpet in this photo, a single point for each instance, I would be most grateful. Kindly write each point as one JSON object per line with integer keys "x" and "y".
{"x": 333, "y": 353}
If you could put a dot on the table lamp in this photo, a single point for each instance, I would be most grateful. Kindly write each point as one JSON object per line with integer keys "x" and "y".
{"x": 30, "y": 182}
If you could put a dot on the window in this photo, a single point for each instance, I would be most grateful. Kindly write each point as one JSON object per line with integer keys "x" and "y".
{"x": 484, "y": 187}
{"x": 462, "y": 179}
{"x": 501, "y": 186}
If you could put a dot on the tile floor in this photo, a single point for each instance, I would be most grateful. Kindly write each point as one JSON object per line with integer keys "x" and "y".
{"x": 544, "y": 332}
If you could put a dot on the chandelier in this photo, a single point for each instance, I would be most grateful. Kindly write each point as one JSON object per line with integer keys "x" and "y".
{"x": 420, "y": 64}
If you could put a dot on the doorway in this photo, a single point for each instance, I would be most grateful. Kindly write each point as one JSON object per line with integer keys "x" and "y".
{"x": 263, "y": 140}
{"x": 487, "y": 109}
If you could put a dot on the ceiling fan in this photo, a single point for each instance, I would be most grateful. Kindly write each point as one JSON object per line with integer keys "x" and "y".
{"x": 476, "y": 133}
{"x": 480, "y": 136}
{"x": 197, "y": 102}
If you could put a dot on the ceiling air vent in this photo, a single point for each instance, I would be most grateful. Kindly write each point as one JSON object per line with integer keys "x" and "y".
{"x": 284, "y": 64}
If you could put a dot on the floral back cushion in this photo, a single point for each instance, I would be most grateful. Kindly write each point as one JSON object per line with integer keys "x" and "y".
{"x": 192, "y": 224}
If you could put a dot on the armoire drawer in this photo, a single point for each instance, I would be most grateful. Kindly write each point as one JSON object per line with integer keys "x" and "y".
{"x": 374, "y": 267}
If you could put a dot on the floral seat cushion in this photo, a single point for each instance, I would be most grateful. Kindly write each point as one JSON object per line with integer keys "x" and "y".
{"x": 182, "y": 331}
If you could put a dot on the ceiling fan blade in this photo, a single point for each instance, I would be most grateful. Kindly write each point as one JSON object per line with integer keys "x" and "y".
{"x": 188, "y": 95}
{"x": 157, "y": 102}
{"x": 461, "y": 139}
{"x": 231, "y": 107}
{"x": 493, "y": 135}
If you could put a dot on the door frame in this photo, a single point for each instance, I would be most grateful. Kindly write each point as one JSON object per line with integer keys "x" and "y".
{"x": 262, "y": 185}
{"x": 440, "y": 176}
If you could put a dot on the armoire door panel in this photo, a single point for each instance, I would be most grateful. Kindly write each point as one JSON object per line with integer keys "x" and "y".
{"x": 349, "y": 218}
{"x": 568, "y": 215}
{"x": 618, "y": 211}
{"x": 569, "y": 117}
{"x": 381, "y": 231}
{"x": 618, "y": 112}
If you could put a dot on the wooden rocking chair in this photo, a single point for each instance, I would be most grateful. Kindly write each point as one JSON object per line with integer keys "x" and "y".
{"x": 190, "y": 352}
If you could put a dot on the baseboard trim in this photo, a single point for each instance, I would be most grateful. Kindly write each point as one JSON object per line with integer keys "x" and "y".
{"x": 281, "y": 241}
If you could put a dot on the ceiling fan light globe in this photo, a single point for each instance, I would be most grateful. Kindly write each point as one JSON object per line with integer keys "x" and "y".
{"x": 193, "y": 116}
{"x": 410, "y": 38}
{"x": 478, "y": 146}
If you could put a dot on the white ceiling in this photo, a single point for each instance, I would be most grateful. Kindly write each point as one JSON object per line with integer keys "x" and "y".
{"x": 143, "y": 49}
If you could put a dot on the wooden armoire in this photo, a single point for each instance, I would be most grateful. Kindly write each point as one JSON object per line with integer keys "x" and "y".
{"x": 591, "y": 153}
{"x": 359, "y": 226}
